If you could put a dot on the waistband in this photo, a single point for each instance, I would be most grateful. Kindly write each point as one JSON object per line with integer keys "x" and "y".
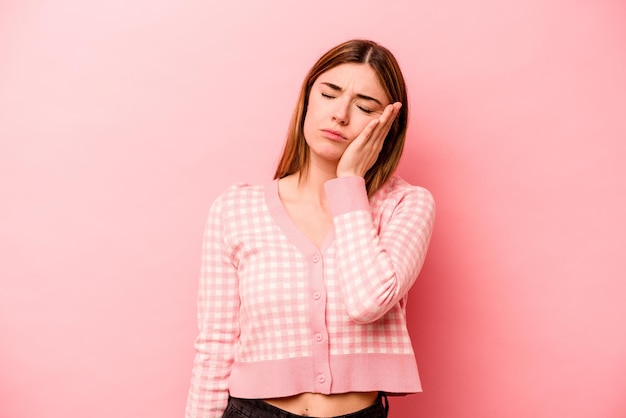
{"x": 256, "y": 408}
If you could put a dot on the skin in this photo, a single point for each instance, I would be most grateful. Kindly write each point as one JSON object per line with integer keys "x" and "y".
{"x": 347, "y": 120}
{"x": 360, "y": 112}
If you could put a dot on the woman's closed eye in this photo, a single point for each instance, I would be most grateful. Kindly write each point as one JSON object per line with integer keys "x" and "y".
{"x": 362, "y": 108}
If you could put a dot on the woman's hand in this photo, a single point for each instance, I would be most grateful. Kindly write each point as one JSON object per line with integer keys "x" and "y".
{"x": 362, "y": 153}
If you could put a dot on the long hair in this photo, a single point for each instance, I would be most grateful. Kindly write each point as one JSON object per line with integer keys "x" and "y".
{"x": 295, "y": 157}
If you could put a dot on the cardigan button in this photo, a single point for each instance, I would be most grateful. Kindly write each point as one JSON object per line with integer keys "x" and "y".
{"x": 316, "y": 258}
{"x": 321, "y": 378}
{"x": 317, "y": 295}
{"x": 319, "y": 337}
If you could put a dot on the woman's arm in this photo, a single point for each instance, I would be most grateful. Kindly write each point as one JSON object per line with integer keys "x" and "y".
{"x": 218, "y": 322}
{"x": 377, "y": 267}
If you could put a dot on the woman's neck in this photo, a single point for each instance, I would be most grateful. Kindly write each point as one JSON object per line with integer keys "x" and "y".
{"x": 311, "y": 184}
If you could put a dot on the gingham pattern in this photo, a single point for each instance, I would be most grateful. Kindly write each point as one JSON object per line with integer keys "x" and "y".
{"x": 259, "y": 274}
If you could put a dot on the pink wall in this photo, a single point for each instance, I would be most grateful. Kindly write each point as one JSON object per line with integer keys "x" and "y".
{"x": 120, "y": 122}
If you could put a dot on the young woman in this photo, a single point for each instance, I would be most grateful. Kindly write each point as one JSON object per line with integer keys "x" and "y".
{"x": 305, "y": 278}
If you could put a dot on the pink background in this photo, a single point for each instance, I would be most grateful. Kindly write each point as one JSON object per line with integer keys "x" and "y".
{"x": 120, "y": 121}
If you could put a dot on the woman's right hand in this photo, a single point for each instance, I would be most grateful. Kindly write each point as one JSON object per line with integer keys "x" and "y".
{"x": 362, "y": 153}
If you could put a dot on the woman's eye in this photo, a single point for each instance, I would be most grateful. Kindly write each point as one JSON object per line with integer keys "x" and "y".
{"x": 328, "y": 96}
{"x": 365, "y": 110}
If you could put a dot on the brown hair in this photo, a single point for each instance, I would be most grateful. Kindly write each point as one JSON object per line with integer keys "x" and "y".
{"x": 295, "y": 157}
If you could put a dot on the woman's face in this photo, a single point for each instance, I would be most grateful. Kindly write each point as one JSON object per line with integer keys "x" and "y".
{"x": 342, "y": 101}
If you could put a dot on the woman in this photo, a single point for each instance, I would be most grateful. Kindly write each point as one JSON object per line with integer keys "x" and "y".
{"x": 305, "y": 278}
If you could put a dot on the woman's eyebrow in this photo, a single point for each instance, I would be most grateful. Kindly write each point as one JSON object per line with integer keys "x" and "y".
{"x": 360, "y": 96}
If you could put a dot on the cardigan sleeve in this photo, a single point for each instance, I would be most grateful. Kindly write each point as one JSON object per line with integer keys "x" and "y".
{"x": 218, "y": 323}
{"x": 378, "y": 265}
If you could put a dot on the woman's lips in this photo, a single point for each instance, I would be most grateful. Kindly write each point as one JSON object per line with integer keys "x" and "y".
{"x": 334, "y": 135}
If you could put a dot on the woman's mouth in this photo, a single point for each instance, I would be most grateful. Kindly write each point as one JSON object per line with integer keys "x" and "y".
{"x": 333, "y": 135}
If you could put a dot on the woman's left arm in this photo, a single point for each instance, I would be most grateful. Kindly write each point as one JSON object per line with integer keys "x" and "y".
{"x": 378, "y": 265}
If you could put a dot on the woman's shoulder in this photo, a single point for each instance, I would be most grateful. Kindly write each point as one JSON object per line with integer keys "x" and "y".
{"x": 241, "y": 190}
{"x": 239, "y": 195}
{"x": 397, "y": 189}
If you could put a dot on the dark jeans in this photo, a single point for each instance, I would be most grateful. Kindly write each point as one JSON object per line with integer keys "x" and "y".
{"x": 254, "y": 408}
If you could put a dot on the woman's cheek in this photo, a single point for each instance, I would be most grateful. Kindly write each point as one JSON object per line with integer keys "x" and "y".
{"x": 363, "y": 122}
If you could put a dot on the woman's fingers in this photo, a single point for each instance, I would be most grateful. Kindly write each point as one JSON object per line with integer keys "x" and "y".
{"x": 387, "y": 118}
{"x": 363, "y": 152}
{"x": 385, "y": 121}
{"x": 378, "y": 128}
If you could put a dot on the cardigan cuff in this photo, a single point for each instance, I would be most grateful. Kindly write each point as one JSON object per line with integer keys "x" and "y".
{"x": 346, "y": 194}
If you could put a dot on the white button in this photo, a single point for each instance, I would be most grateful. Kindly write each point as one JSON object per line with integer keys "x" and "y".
{"x": 316, "y": 295}
{"x": 316, "y": 258}
{"x": 321, "y": 378}
{"x": 318, "y": 337}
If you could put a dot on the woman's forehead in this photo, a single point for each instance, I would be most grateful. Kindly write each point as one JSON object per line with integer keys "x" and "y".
{"x": 357, "y": 78}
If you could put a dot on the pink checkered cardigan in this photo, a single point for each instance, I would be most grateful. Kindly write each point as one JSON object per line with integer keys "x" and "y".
{"x": 279, "y": 316}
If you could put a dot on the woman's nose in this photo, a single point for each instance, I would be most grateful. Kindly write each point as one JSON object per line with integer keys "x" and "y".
{"x": 340, "y": 113}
